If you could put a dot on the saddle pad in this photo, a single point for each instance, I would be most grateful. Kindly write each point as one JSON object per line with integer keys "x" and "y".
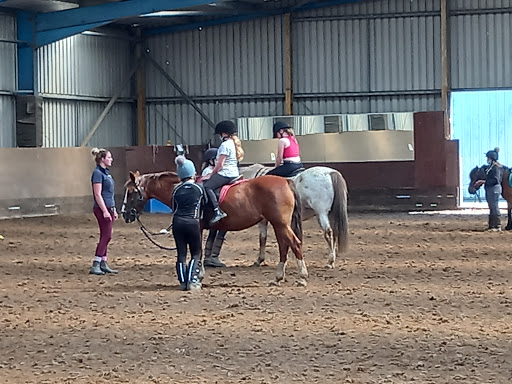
{"x": 510, "y": 179}
{"x": 224, "y": 190}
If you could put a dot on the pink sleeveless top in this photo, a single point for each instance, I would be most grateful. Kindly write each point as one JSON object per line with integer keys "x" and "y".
{"x": 292, "y": 150}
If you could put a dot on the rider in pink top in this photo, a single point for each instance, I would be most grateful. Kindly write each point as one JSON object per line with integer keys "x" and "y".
{"x": 288, "y": 151}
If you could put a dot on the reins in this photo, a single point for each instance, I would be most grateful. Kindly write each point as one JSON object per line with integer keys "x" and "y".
{"x": 143, "y": 228}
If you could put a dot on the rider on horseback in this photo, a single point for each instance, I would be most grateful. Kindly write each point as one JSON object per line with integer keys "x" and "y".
{"x": 493, "y": 189}
{"x": 288, "y": 152}
{"x": 215, "y": 238}
{"x": 209, "y": 157}
{"x": 230, "y": 152}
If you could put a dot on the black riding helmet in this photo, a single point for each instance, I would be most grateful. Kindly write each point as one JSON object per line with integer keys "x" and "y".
{"x": 209, "y": 154}
{"x": 493, "y": 154}
{"x": 278, "y": 126}
{"x": 225, "y": 126}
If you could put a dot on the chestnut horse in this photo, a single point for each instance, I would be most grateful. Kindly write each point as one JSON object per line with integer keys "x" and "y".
{"x": 478, "y": 173}
{"x": 270, "y": 198}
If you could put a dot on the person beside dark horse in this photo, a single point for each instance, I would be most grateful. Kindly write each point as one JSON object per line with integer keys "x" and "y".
{"x": 493, "y": 189}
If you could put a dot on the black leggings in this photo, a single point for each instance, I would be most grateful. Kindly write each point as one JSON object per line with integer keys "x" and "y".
{"x": 214, "y": 182}
{"x": 285, "y": 169}
{"x": 187, "y": 232}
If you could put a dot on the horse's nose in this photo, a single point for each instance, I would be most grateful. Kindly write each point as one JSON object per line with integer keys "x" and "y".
{"x": 126, "y": 217}
{"x": 471, "y": 190}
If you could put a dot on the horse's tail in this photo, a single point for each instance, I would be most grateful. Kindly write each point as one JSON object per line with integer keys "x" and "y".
{"x": 338, "y": 213}
{"x": 297, "y": 211}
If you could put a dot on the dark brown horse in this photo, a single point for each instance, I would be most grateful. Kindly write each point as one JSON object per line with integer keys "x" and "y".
{"x": 478, "y": 173}
{"x": 270, "y": 198}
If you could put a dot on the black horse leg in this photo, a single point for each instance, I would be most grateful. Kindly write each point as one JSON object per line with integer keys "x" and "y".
{"x": 509, "y": 221}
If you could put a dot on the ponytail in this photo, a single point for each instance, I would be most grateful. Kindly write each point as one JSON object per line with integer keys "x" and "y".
{"x": 289, "y": 131}
{"x": 238, "y": 147}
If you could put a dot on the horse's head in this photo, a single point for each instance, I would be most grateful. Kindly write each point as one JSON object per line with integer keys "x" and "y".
{"x": 134, "y": 197}
{"x": 477, "y": 173}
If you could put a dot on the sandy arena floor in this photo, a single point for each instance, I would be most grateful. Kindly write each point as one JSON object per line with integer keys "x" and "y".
{"x": 417, "y": 299}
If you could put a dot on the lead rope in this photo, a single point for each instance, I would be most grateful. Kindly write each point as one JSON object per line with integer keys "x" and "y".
{"x": 148, "y": 234}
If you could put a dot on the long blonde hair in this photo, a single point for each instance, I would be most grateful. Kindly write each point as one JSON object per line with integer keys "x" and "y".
{"x": 238, "y": 147}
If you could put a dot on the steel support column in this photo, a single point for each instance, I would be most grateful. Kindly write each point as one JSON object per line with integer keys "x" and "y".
{"x": 288, "y": 65}
{"x": 141, "y": 92}
{"x": 445, "y": 60}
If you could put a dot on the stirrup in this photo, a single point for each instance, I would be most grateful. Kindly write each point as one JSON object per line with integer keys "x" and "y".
{"x": 218, "y": 217}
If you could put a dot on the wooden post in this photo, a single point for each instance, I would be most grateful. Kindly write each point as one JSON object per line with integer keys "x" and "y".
{"x": 288, "y": 98}
{"x": 141, "y": 93}
{"x": 445, "y": 60}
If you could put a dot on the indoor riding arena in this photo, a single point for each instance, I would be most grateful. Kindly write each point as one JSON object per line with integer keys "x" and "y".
{"x": 423, "y": 294}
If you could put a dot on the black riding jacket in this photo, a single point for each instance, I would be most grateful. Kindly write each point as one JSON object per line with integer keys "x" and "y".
{"x": 188, "y": 200}
{"x": 494, "y": 175}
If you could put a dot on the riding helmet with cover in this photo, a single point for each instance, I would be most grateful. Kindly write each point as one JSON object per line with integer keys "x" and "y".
{"x": 278, "y": 126}
{"x": 225, "y": 126}
{"x": 186, "y": 168}
{"x": 493, "y": 154}
{"x": 209, "y": 154}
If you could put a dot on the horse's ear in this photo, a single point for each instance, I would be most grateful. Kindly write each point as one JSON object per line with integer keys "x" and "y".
{"x": 132, "y": 176}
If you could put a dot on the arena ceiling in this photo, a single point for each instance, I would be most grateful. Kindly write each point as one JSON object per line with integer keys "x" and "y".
{"x": 56, "y": 19}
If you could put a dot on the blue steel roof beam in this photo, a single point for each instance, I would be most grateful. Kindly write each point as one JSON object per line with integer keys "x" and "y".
{"x": 108, "y": 12}
{"x": 25, "y": 52}
{"x": 248, "y": 16}
{"x": 47, "y": 37}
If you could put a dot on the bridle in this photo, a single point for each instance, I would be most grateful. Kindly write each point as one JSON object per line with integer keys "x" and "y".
{"x": 479, "y": 170}
{"x": 134, "y": 214}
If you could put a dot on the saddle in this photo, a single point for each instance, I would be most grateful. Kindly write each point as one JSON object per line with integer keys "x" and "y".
{"x": 296, "y": 172}
{"x": 225, "y": 188}
{"x": 221, "y": 192}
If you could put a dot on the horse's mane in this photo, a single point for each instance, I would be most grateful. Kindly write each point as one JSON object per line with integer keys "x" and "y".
{"x": 154, "y": 176}
{"x": 159, "y": 175}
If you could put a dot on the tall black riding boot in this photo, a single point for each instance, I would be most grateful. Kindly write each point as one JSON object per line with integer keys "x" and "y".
{"x": 181, "y": 270}
{"x": 212, "y": 251}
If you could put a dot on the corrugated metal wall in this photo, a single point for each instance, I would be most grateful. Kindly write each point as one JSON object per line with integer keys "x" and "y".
{"x": 76, "y": 78}
{"x": 7, "y": 81}
{"x": 229, "y": 70}
{"x": 67, "y": 123}
{"x": 481, "y": 44}
{"x": 481, "y": 121}
{"x": 377, "y": 56}
{"x": 369, "y": 57}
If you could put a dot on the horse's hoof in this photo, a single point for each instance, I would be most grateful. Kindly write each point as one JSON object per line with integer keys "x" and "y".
{"x": 273, "y": 283}
{"x": 329, "y": 266}
{"x": 507, "y": 228}
{"x": 256, "y": 264}
{"x": 302, "y": 283}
